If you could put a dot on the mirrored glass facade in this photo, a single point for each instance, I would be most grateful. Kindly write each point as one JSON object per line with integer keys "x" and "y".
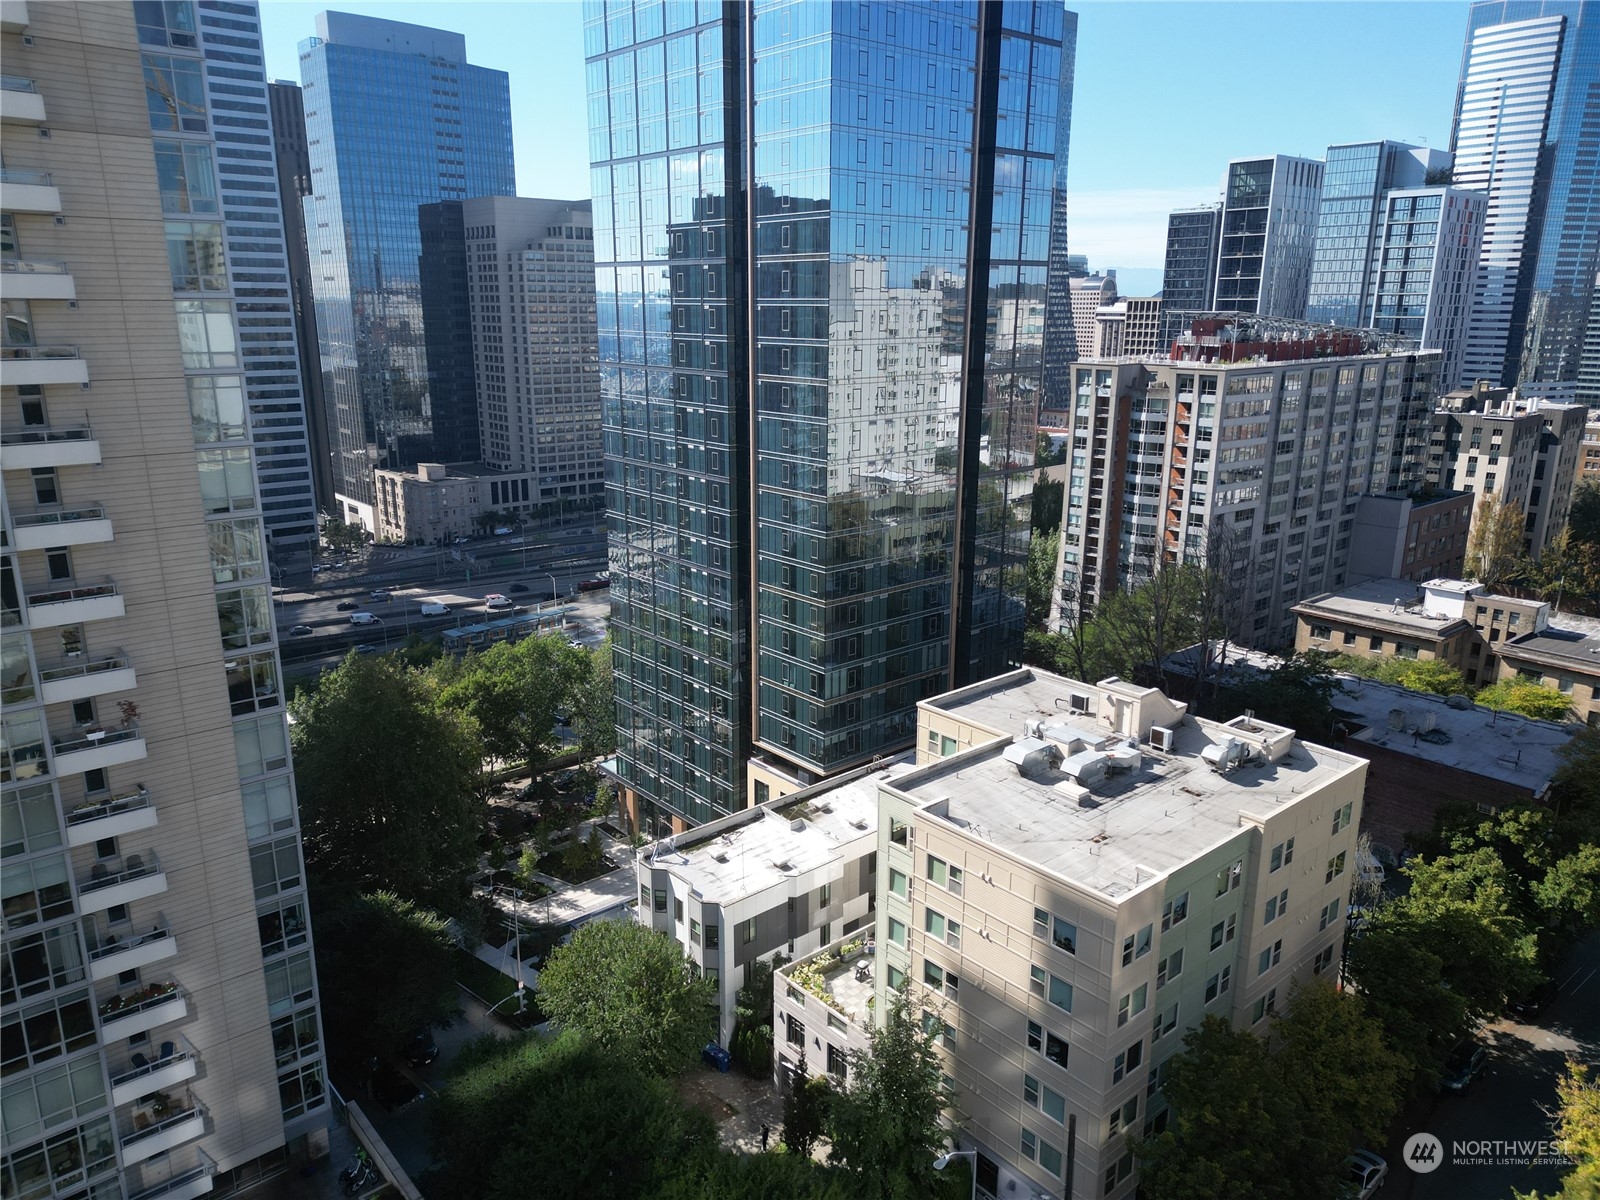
{"x": 395, "y": 118}
{"x": 819, "y": 389}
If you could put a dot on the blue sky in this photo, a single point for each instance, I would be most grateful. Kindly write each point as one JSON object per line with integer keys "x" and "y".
{"x": 1166, "y": 93}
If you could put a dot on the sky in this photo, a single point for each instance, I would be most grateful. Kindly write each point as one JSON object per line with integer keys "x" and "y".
{"x": 1165, "y": 95}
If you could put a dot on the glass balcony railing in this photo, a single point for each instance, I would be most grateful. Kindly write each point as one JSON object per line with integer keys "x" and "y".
{"x": 16, "y": 83}
{"x": 37, "y": 353}
{"x": 65, "y": 516}
{"x": 29, "y": 266}
{"x": 91, "y": 739}
{"x": 62, "y": 595}
{"x": 127, "y": 802}
{"x": 134, "y": 866}
{"x": 125, "y": 1004}
{"x": 115, "y": 662}
{"x": 116, "y": 945}
{"x": 39, "y": 436}
{"x": 17, "y": 175}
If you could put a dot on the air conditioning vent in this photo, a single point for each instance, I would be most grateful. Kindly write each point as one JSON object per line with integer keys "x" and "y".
{"x": 1163, "y": 738}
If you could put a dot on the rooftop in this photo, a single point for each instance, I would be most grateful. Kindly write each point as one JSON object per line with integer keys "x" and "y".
{"x": 1452, "y": 731}
{"x": 1574, "y": 641}
{"x": 840, "y": 975}
{"x": 1005, "y": 702}
{"x": 1137, "y": 825}
{"x": 1396, "y": 603}
{"x": 756, "y": 849}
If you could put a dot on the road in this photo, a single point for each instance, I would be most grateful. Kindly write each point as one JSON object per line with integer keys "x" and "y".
{"x": 1509, "y": 1102}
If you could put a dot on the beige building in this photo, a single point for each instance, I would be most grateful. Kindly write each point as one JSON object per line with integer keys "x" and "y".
{"x": 1064, "y": 919}
{"x": 161, "y": 1032}
{"x": 436, "y": 503}
{"x": 1589, "y": 464}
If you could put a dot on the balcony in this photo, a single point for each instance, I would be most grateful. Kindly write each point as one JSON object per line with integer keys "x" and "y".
{"x": 138, "y": 877}
{"x": 162, "y": 1125}
{"x": 115, "y": 955}
{"x": 43, "y": 365}
{"x": 41, "y": 279}
{"x": 98, "y": 749}
{"x": 13, "y": 15}
{"x": 127, "y": 813}
{"x": 141, "y": 1010}
{"x": 46, "y": 529}
{"x": 20, "y": 102}
{"x": 79, "y": 681}
{"x": 177, "y": 1063}
{"x": 73, "y": 606}
{"x": 66, "y": 446}
{"x": 185, "y": 1184}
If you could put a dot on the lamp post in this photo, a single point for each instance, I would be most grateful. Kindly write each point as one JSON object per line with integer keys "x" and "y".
{"x": 943, "y": 1161}
{"x": 555, "y": 592}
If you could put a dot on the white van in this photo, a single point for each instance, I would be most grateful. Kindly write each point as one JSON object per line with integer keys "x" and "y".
{"x": 364, "y": 618}
{"x": 495, "y": 602}
{"x": 434, "y": 608}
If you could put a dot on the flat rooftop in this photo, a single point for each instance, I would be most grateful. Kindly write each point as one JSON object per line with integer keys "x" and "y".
{"x": 1500, "y": 746}
{"x": 1131, "y": 829}
{"x": 1006, "y": 701}
{"x": 1393, "y": 602}
{"x": 757, "y": 849}
{"x": 1566, "y": 638}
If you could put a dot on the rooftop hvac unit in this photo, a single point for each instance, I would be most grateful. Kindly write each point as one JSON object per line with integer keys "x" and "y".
{"x": 1163, "y": 738}
{"x": 1223, "y": 756}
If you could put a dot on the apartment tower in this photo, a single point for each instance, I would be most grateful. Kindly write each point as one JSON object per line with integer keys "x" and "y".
{"x": 161, "y": 1033}
{"x": 1189, "y": 282}
{"x": 819, "y": 389}
{"x": 1269, "y": 225}
{"x": 395, "y": 117}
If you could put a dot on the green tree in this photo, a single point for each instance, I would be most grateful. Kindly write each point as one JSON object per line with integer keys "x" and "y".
{"x": 805, "y": 1108}
{"x": 1577, "y": 1130}
{"x": 1576, "y": 786}
{"x": 1494, "y": 544}
{"x": 631, "y": 991}
{"x": 885, "y": 1122}
{"x": 385, "y": 969}
{"x": 1048, "y": 498}
{"x": 758, "y": 1177}
{"x": 386, "y": 783}
{"x": 564, "y": 1117}
{"x": 1397, "y": 970}
{"x": 1042, "y": 552}
{"x": 514, "y": 691}
{"x": 341, "y": 538}
{"x": 1527, "y": 698}
{"x": 594, "y": 711}
{"x": 1583, "y": 518}
{"x": 1297, "y": 693}
{"x": 1418, "y": 674}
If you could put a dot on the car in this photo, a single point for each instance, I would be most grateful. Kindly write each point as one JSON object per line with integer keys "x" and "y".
{"x": 435, "y": 608}
{"x": 495, "y": 602}
{"x": 364, "y": 618}
{"x": 318, "y": 568}
{"x": 517, "y": 589}
{"x": 339, "y": 566}
{"x": 1466, "y": 1062}
{"x": 1533, "y": 1003}
{"x": 594, "y": 585}
{"x": 1368, "y": 1173}
{"x": 422, "y": 1049}
{"x": 378, "y": 594}
{"x": 367, "y": 648}
{"x": 392, "y": 1089}
{"x": 300, "y": 631}
{"x": 347, "y": 606}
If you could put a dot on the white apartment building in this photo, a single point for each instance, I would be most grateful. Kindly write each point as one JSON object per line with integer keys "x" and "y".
{"x": 159, "y": 1013}
{"x": 785, "y": 877}
{"x": 1090, "y": 294}
{"x": 1072, "y": 876}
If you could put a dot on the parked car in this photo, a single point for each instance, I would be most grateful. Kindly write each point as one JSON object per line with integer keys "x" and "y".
{"x": 422, "y": 1049}
{"x": 300, "y": 631}
{"x": 392, "y": 1089}
{"x": 347, "y": 606}
{"x": 1532, "y": 1004}
{"x": 1466, "y": 1062}
{"x": 1368, "y": 1173}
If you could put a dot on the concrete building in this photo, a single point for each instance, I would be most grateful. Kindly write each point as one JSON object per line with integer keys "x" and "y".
{"x": 1241, "y": 443}
{"x": 1486, "y": 636}
{"x": 1525, "y": 453}
{"x": 1589, "y": 464}
{"x": 774, "y": 590}
{"x": 393, "y": 111}
{"x": 435, "y": 503}
{"x": 1090, "y": 295}
{"x": 785, "y": 877}
{"x": 1189, "y": 281}
{"x": 1410, "y": 535}
{"x": 1047, "y": 902}
{"x": 161, "y": 1029}
{"x": 1270, "y": 208}
{"x": 1130, "y": 326}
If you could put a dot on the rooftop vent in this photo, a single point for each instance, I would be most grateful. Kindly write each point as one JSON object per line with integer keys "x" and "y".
{"x": 797, "y": 825}
{"x": 1032, "y": 756}
{"x": 859, "y": 823}
{"x": 720, "y": 856}
{"x": 1225, "y": 755}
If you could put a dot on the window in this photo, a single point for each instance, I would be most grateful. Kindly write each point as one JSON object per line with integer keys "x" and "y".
{"x": 694, "y": 932}
{"x": 1341, "y": 817}
{"x": 261, "y": 744}
{"x": 1322, "y": 961}
{"x": 216, "y": 412}
{"x": 245, "y": 615}
{"x": 898, "y": 832}
{"x": 194, "y": 256}
{"x": 1277, "y": 906}
{"x": 897, "y": 931}
{"x": 174, "y": 94}
{"x": 1223, "y": 931}
{"x": 825, "y": 895}
{"x": 1061, "y": 994}
{"x": 1217, "y": 984}
{"x": 282, "y": 926}
{"x": 1066, "y": 936}
{"x": 275, "y": 867}
{"x": 1169, "y": 968}
{"x": 1335, "y": 867}
{"x": 837, "y": 1061}
{"x": 1128, "y": 1061}
{"x": 1166, "y": 1022}
{"x": 301, "y": 1090}
{"x": 677, "y": 910}
{"x": 1124, "y": 1117}
{"x": 1133, "y": 1003}
{"x": 1036, "y": 980}
{"x": 937, "y": 870}
{"x": 227, "y": 480}
{"x": 1322, "y": 633}
{"x": 1041, "y": 923}
{"x": 1264, "y": 1005}
{"x": 1174, "y": 912}
{"x": 39, "y": 962}
{"x": 36, "y": 891}
{"x": 1329, "y": 914}
{"x": 897, "y": 978}
{"x": 28, "y": 821}
{"x": 186, "y": 177}
{"x": 1119, "y": 1171}
{"x": 1137, "y": 945}
{"x": 933, "y": 923}
{"x": 206, "y": 334}
{"x": 1229, "y": 878}
{"x": 747, "y": 931}
{"x": 1282, "y": 855}
{"x": 295, "y": 1036}
{"x": 289, "y": 983}
{"x": 796, "y": 1032}
{"x": 897, "y": 882}
{"x": 1270, "y": 957}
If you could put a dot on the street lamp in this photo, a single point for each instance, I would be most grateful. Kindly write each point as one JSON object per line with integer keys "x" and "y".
{"x": 943, "y": 1161}
{"x": 555, "y": 592}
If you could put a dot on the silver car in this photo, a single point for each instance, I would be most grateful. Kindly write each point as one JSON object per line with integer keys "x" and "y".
{"x": 1368, "y": 1173}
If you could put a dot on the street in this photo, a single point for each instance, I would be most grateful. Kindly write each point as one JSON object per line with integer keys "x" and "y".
{"x": 1509, "y": 1102}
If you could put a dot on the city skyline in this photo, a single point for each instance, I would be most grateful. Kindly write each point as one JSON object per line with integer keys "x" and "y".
{"x": 1404, "y": 82}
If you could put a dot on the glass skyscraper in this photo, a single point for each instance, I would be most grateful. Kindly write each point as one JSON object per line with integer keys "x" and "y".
{"x": 1527, "y": 114}
{"x": 395, "y": 118}
{"x": 1269, "y": 224}
{"x": 819, "y": 388}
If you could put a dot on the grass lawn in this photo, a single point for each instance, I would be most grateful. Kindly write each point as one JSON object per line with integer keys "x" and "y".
{"x": 492, "y": 987}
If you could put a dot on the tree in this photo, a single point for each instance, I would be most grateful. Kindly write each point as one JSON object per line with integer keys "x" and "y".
{"x": 631, "y": 991}
{"x": 884, "y": 1123}
{"x": 1527, "y": 698}
{"x": 1418, "y": 674}
{"x": 1297, "y": 692}
{"x": 1577, "y": 1130}
{"x": 594, "y": 712}
{"x": 1150, "y": 621}
{"x": 758, "y": 1177}
{"x": 386, "y": 783}
{"x": 1494, "y": 544}
{"x": 805, "y": 1108}
{"x": 1042, "y": 554}
{"x": 514, "y": 692}
{"x": 1049, "y": 496}
{"x": 1401, "y": 977}
{"x": 563, "y": 1117}
{"x": 385, "y": 970}
{"x": 1583, "y": 518}
{"x": 341, "y": 538}
{"x": 1576, "y": 786}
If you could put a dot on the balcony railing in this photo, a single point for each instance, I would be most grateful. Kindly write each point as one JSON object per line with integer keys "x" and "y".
{"x": 66, "y": 594}
{"x": 16, "y": 83}
{"x": 95, "y": 738}
{"x": 115, "y": 945}
{"x": 17, "y": 175}
{"x": 125, "y": 1005}
{"x": 43, "y": 437}
{"x": 33, "y": 266}
{"x": 94, "y": 512}
{"x": 181, "y": 1185}
{"x": 178, "y": 1051}
{"x": 115, "y": 662}
{"x": 37, "y": 353}
{"x": 175, "y": 1116}
{"x": 135, "y": 866}
{"x": 127, "y": 802}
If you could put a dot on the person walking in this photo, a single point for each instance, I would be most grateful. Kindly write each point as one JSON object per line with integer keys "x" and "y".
{"x": 766, "y": 1132}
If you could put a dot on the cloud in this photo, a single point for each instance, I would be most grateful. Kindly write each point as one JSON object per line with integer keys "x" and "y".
{"x": 1126, "y": 227}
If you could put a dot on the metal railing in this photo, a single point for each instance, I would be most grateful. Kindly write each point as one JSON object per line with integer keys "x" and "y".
{"x": 115, "y": 662}
{"x": 127, "y": 802}
{"x": 16, "y": 83}
{"x": 43, "y": 437}
{"x": 39, "y": 353}
{"x": 18, "y": 175}
{"x": 130, "y": 871}
{"x": 177, "y": 1181}
{"x": 177, "y": 1117}
{"x": 98, "y": 737}
{"x": 115, "y": 945}
{"x": 163, "y": 993}
{"x": 33, "y": 266}
{"x": 63, "y": 595}
{"x": 65, "y": 516}
{"x": 182, "y": 1052}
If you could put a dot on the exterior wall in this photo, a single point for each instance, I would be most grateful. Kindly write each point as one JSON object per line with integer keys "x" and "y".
{"x": 1589, "y": 463}
{"x": 1397, "y": 537}
{"x": 1579, "y": 682}
{"x": 1317, "y": 629}
{"x": 1269, "y": 225}
{"x": 434, "y": 511}
{"x": 825, "y": 1035}
{"x": 1189, "y": 281}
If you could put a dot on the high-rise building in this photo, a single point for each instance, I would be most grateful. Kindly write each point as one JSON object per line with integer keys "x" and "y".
{"x": 819, "y": 390}
{"x": 445, "y": 291}
{"x": 1526, "y": 107}
{"x": 1349, "y": 220}
{"x": 161, "y": 1031}
{"x": 1189, "y": 282}
{"x": 395, "y": 118}
{"x": 1232, "y": 447}
{"x": 294, "y": 185}
{"x": 1269, "y": 227}
{"x": 1425, "y": 263}
{"x": 1090, "y": 294}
